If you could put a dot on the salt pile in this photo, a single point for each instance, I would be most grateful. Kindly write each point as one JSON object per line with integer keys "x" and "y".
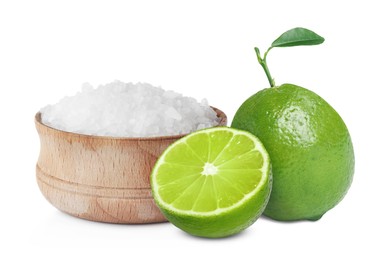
{"x": 121, "y": 109}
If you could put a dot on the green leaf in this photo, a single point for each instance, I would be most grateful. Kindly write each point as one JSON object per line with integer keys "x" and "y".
{"x": 297, "y": 37}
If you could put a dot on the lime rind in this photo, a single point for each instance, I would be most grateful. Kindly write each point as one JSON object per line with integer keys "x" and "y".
{"x": 191, "y": 208}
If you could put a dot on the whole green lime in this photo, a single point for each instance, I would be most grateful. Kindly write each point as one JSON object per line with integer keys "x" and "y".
{"x": 310, "y": 149}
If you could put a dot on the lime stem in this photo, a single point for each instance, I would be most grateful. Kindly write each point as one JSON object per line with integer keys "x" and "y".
{"x": 263, "y": 63}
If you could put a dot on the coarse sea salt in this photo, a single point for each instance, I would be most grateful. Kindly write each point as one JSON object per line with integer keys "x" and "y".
{"x": 121, "y": 109}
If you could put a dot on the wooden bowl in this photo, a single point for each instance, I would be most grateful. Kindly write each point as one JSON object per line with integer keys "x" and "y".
{"x": 100, "y": 178}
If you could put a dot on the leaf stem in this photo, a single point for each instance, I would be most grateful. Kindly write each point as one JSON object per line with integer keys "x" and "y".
{"x": 263, "y": 63}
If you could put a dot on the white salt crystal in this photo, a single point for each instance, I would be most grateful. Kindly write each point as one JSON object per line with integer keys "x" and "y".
{"x": 172, "y": 113}
{"x": 128, "y": 110}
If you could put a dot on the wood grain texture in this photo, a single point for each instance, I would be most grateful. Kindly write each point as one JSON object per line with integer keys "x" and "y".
{"x": 102, "y": 179}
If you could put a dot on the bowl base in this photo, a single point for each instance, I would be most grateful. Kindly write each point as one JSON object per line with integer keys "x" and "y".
{"x": 102, "y": 204}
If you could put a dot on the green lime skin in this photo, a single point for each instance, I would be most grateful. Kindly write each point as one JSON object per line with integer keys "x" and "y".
{"x": 223, "y": 224}
{"x": 310, "y": 149}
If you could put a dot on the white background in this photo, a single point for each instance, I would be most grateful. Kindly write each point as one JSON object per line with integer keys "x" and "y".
{"x": 201, "y": 49}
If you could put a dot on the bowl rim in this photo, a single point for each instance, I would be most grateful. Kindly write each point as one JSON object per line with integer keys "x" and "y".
{"x": 38, "y": 121}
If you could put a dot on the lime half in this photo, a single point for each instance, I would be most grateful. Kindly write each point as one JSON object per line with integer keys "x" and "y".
{"x": 214, "y": 182}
